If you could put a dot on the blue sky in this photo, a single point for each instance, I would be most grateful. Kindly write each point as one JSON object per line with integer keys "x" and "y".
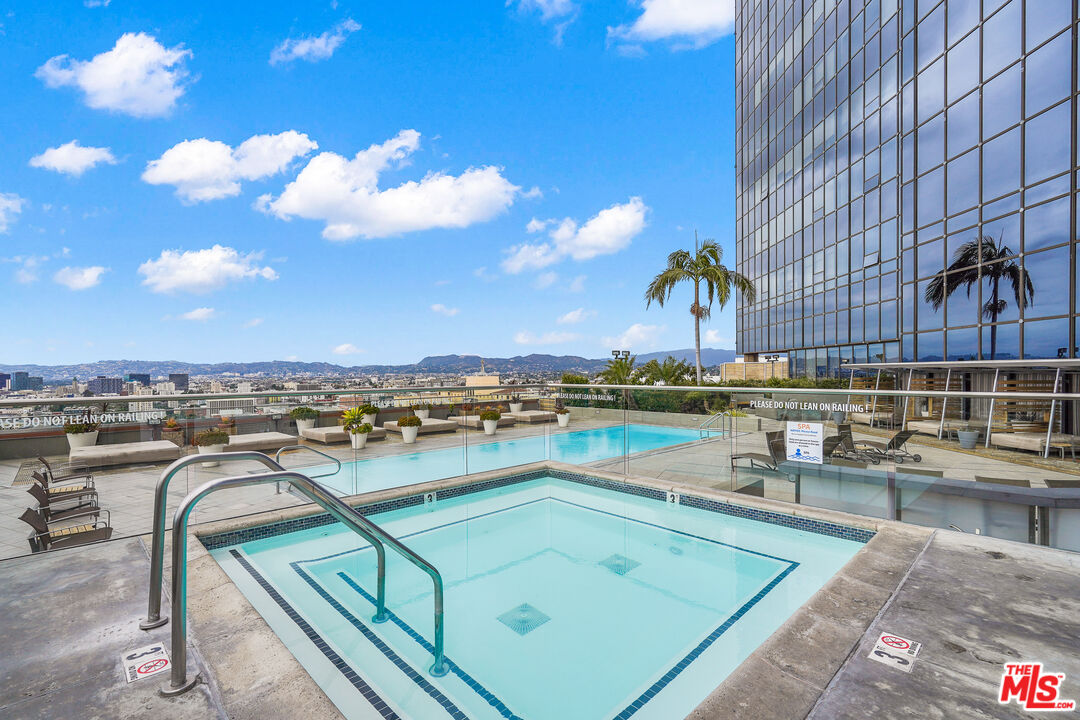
{"x": 188, "y": 186}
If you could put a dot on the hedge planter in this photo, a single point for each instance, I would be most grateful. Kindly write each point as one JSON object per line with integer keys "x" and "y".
{"x": 207, "y": 450}
{"x": 80, "y": 440}
{"x": 408, "y": 434}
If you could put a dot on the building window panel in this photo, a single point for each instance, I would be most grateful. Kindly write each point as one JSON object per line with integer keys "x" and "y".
{"x": 1001, "y": 39}
{"x": 1043, "y": 19}
{"x": 963, "y": 67}
{"x": 1042, "y": 135}
{"x": 1001, "y": 342}
{"x": 963, "y": 124}
{"x": 1048, "y": 78}
{"x": 962, "y": 344}
{"x": 931, "y": 90}
{"x": 1046, "y": 225}
{"x": 963, "y": 15}
{"x": 931, "y": 144}
{"x": 931, "y": 36}
{"x": 962, "y": 178}
{"x": 931, "y": 192}
{"x": 930, "y": 315}
{"x": 1001, "y": 102}
{"x": 1001, "y": 164}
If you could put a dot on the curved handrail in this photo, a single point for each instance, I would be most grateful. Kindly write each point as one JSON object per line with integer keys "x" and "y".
{"x": 706, "y": 426}
{"x": 328, "y": 456}
{"x": 331, "y": 503}
{"x": 157, "y": 544}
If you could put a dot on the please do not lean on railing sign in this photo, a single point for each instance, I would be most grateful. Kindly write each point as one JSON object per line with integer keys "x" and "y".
{"x": 805, "y": 442}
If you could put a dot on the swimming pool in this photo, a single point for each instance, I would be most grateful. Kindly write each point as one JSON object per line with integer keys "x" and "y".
{"x": 566, "y": 597}
{"x": 577, "y": 447}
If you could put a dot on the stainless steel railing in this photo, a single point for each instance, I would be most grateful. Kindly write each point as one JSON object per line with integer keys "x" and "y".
{"x": 706, "y": 427}
{"x": 179, "y": 682}
{"x": 294, "y": 448}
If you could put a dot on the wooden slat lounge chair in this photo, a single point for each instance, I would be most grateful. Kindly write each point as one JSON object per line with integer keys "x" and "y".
{"x": 65, "y": 472}
{"x": 848, "y": 450}
{"x": 53, "y": 509}
{"x": 66, "y": 490}
{"x": 775, "y": 442}
{"x": 49, "y": 537}
{"x": 892, "y": 450}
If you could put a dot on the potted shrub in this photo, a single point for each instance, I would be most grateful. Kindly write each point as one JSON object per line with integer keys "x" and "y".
{"x": 369, "y": 412}
{"x": 213, "y": 440}
{"x": 228, "y": 425}
{"x": 490, "y": 418}
{"x": 410, "y": 426}
{"x": 172, "y": 432}
{"x": 352, "y": 420}
{"x": 515, "y": 403}
{"x": 422, "y": 411}
{"x": 968, "y": 436}
{"x": 563, "y": 416}
{"x": 305, "y": 418}
{"x": 81, "y": 434}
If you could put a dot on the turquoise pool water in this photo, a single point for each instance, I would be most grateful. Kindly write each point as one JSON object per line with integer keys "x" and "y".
{"x": 563, "y": 600}
{"x": 578, "y": 447}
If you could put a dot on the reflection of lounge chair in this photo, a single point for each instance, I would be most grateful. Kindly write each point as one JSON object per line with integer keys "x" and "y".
{"x": 48, "y": 537}
{"x": 892, "y": 450}
{"x": 774, "y": 441}
{"x": 848, "y": 450}
{"x": 59, "y": 508}
{"x": 65, "y": 472}
{"x": 65, "y": 490}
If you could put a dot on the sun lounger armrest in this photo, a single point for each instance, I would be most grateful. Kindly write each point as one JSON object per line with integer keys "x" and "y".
{"x": 95, "y": 525}
{"x": 99, "y": 512}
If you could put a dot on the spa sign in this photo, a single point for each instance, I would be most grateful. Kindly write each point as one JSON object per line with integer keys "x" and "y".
{"x": 818, "y": 406}
{"x": 805, "y": 442}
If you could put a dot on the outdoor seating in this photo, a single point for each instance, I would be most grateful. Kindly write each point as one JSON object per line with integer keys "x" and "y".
{"x": 260, "y": 441}
{"x": 848, "y": 450}
{"x": 49, "y": 537}
{"x": 337, "y": 434}
{"x": 126, "y": 453}
{"x": 64, "y": 490}
{"x": 475, "y": 423}
{"x": 47, "y": 505}
{"x": 427, "y": 425}
{"x": 531, "y": 416}
{"x": 893, "y": 450}
{"x": 774, "y": 441}
{"x": 1035, "y": 441}
{"x": 61, "y": 472}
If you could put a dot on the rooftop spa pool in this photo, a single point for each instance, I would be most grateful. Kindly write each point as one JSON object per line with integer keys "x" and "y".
{"x": 577, "y": 447}
{"x": 566, "y": 596}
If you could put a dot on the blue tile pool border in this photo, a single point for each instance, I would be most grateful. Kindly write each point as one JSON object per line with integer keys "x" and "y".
{"x": 819, "y": 527}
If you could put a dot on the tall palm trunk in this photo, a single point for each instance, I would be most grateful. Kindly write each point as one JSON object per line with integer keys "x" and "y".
{"x": 993, "y": 318}
{"x": 697, "y": 331}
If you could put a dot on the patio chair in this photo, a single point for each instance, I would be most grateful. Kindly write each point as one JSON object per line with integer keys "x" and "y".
{"x": 49, "y": 537}
{"x": 66, "y": 490}
{"x": 774, "y": 441}
{"x": 893, "y": 450}
{"x": 53, "y": 509}
{"x": 65, "y": 472}
{"x": 848, "y": 450}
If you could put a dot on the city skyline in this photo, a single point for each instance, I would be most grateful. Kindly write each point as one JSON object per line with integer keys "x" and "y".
{"x": 355, "y": 184}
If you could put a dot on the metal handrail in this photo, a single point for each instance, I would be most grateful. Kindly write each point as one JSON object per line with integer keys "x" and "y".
{"x": 157, "y": 543}
{"x": 706, "y": 426}
{"x": 747, "y": 390}
{"x": 317, "y": 493}
{"x": 293, "y": 448}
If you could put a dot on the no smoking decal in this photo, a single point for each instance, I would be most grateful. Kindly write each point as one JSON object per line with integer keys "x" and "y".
{"x": 145, "y": 662}
{"x": 895, "y": 651}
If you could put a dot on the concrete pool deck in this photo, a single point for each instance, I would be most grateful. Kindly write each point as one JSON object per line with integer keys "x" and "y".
{"x": 973, "y": 602}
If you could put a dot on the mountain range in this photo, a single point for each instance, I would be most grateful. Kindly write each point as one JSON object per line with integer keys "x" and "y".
{"x": 434, "y": 365}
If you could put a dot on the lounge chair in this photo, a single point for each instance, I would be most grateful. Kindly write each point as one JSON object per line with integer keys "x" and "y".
{"x": 53, "y": 509}
{"x": 48, "y": 537}
{"x": 67, "y": 490}
{"x": 849, "y": 450}
{"x": 892, "y": 450}
{"x": 774, "y": 441}
{"x": 65, "y": 472}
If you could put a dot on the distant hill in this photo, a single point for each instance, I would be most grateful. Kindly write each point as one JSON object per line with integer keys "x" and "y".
{"x": 431, "y": 365}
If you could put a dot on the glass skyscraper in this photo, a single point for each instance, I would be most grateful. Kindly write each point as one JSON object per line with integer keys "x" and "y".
{"x": 906, "y": 179}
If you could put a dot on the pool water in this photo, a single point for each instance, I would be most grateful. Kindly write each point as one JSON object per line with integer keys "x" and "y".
{"x": 562, "y": 600}
{"x": 577, "y": 447}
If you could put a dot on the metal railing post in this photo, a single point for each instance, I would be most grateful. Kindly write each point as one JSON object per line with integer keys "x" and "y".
{"x": 990, "y": 415}
{"x": 944, "y": 403}
{"x": 1053, "y": 407}
{"x": 179, "y": 682}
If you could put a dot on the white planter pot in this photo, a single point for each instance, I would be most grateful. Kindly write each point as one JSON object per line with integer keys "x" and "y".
{"x": 490, "y": 426}
{"x": 516, "y": 407}
{"x": 302, "y": 425}
{"x": 207, "y": 449}
{"x": 564, "y": 419}
{"x": 408, "y": 434}
{"x": 78, "y": 440}
{"x": 358, "y": 440}
{"x": 369, "y": 418}
{"x": 423, "y": 414}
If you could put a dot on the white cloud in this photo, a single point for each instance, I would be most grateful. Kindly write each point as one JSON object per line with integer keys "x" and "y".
{"x": 577, "y": 284}
{"x": 76, "y": 278}
{"x": 481, "y": 273}
{"x": 533, "y": 193}
{"x": 138, "y": 77}
{"x": 209, "y": 169}
{"x": 201, "y": 271}
{"x": 549, "y": 338}
{"x": 576, "y": 316}
{"x": 200, "y": 314}
{"x": 314, "y": 47}
{"x": 96, "y": 3}
{"x": 545, "y": 280}
{"x": 443, "y": 310}
{"x": 345, "y": 195}
{"x": 714, "y": 336}
{"x": 636, "y": 337}
{"x": 699, "y": 22}
{"x": 10, "y": 206}
{"x": 536, "y": 226}
{"x": 347, "y": 349}
{"x": 559, "y": 13}
{"x": 253, "y": 322}
{"x": 607, "y": 232}
{"x": 72, "y": 158}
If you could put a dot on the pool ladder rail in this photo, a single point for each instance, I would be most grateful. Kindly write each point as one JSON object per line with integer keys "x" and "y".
{"x": 708, "y": 427}
{"x": 315, "y": 492}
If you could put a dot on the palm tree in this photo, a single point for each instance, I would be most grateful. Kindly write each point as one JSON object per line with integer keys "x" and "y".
{"x": 704, "y": 266}
{"x": 669, "y": 372}
{"x": 619, "y": 371}
{"x": 986, "y": 259}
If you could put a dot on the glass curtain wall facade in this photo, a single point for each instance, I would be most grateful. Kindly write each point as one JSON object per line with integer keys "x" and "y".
{"x": 906, "y": 179}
